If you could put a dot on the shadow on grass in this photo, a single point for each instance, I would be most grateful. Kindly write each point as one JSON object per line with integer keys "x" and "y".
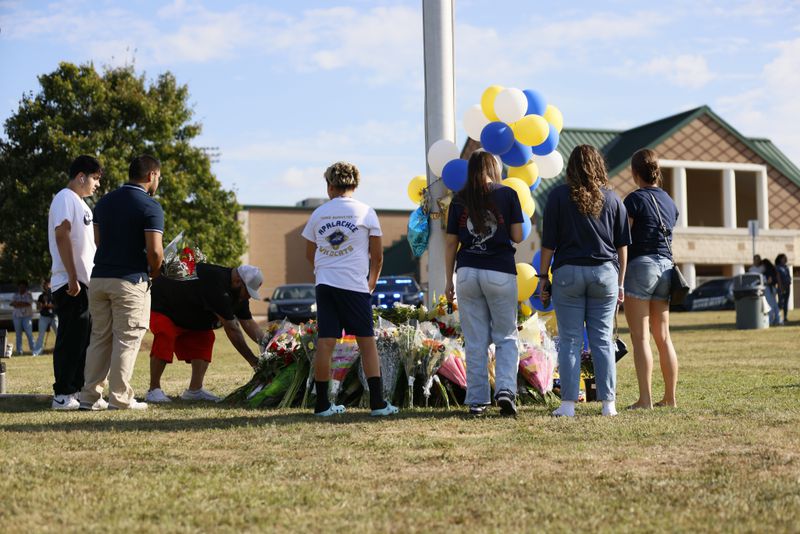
{"x": 710, "y": 326}
{"x": 138, "y": 421}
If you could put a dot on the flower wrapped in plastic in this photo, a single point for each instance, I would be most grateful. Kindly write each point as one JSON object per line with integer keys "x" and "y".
{"x": 390, "y": 357}
{"x": 430, "y": 354}
{"x": 454, "y": 366}
{"x": 537, "y": 366}
{"x": 181, "y": 257}
{"x": 409, "y": 340}
{"x": 345, "y": 354}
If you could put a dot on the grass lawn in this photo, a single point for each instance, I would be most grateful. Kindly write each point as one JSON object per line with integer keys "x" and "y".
{"x": 727, "y": 460}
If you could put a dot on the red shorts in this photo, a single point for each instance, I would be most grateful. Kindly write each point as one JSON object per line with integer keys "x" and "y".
{"x": 187, "y": 345}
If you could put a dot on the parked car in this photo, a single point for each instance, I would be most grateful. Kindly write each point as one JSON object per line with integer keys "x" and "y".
{"x": 295, "y": 302}
{"x": 712, "y": 295}
{"x": 7, "y": 290}
{"x": 391, "y": 289}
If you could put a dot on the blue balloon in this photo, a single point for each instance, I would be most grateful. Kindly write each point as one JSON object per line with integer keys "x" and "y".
{"x": 497, "y": 138}
{"x": 536, "y": 102}
{"x": 454, "y": 174}
{"x": 526, "y": 227}
{"x": 549, "y": 144}
{"x": 536, "y": 184}
{"x": 518, "y": 156}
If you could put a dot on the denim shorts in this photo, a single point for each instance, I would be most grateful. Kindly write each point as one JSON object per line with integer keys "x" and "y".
{"x": 648, "y": 278}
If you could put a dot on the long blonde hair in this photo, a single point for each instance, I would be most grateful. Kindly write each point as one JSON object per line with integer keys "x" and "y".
{"x": 586, "y": 178}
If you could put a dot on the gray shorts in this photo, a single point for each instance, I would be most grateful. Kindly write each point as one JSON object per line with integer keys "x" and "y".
{"x": 648, "y": 278}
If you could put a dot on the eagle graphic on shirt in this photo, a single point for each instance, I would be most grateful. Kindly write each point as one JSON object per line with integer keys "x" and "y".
{"x": 479, "y": 239}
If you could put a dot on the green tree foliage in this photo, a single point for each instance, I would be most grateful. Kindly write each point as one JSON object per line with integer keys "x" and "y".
{"x": 114, "y": 115}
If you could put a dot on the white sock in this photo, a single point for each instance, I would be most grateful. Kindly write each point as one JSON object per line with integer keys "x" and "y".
{"x": 567, "y": 409}
{"x": 609, "y": 408}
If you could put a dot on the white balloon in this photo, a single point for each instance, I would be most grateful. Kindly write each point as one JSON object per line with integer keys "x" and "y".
{"x": 440, "y": 153}
{"x": 510, "y": 105}
{"x": 550, "y": 165}
{"x": 474, "y": 122}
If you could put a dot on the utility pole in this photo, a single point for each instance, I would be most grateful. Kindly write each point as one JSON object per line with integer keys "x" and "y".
{"x": 438, "y": 43}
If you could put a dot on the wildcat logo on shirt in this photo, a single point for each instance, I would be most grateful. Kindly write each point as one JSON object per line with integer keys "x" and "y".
{"x": 87, "y": 218}
{"x": 337, "y": 239}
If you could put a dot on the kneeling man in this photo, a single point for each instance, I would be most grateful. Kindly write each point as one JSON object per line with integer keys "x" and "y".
{"x": 184, "y": 315}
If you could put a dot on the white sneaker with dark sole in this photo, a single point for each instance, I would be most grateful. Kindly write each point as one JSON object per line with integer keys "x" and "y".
{"x": 65, "y": 403}
{"x": 134, "y": 405}
{"x": 98, "y": 406}
{"x": 199, "y": 395}
{"x": 157, "y": 396}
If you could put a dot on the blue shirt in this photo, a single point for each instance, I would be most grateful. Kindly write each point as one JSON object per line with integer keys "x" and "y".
{"x": 121, "y": 218}
{"x": 491, "y": 250}
{"x": 646, "y": 236}
{"x": 580, "y": 239}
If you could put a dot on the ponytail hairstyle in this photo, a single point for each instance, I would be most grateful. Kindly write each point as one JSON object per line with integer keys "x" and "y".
{"x": 586, "y": 176}
{"x": 644, "y": 164}
{"x": 475, "y": 195}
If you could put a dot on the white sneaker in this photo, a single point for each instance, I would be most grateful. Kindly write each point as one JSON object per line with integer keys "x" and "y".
{"x": 199, "y": 395}
{"x": 65, "y": 403}
{"x": 134, "y": 405}
{"x": 99, "y": 405}
{"x": 157, "y": 396}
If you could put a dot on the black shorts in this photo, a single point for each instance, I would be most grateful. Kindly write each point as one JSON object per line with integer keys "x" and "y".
{"x": 342, "y": 308}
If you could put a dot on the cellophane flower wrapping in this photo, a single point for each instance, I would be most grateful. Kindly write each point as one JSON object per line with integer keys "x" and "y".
{"x": 390, "y": 356}
{"x": 430, "y": 354}
{"x": 345, "y": 354}
{"x": 537, "y": 366}
{"x": 181, "y": 257}
{"x": 454, "y": 365}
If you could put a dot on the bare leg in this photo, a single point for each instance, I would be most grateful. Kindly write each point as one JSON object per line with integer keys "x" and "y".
{"x": 636, "y": 312}
{"x": 659, "y": 323}
{"x": 156, "y": 370}
{"x": 322, "y": 359}
{"x": 199, "y": 368}
{"x": 369, "y": 356}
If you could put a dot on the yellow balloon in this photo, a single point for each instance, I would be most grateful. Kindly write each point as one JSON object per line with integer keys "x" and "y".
{"x": 526, "y": 281}
{"x": 524, "y": 194}
{"x": 554, "y": 117}
{"x": 531, "y": 130}
{"x": 528, "y": 174}
{"x": 487, "y": 101}
{"x": 415, "y": 187}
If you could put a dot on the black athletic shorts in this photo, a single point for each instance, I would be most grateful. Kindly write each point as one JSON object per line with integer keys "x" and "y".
{"x": 339, "y": 309}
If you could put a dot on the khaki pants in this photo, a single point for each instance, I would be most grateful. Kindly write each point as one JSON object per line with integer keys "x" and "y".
{"x": 120, "y": 316}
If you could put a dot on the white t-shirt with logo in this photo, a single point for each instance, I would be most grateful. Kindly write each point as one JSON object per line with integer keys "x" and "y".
{"x": 68, "y": 206}
{"x": 341, "y": 229}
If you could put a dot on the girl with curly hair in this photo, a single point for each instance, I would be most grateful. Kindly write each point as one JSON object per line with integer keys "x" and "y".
{"x": 586, "y": 227}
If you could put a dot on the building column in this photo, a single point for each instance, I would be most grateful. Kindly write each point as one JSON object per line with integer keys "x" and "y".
{"x": 737, "y": 269}
{"x": 729, "y": 198}
{"x": 762, "y": 199}
{"x": 681, "y": 197}
{"x": 690, "y": 274}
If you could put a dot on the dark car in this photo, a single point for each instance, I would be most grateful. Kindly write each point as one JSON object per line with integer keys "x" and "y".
{"x": 391, "y": 289}
{"x": 296, "y": 302}
{"x": 712, "y": 295}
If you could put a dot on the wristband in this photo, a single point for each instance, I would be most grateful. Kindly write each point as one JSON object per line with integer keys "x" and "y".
{"x": 622, "y": 287}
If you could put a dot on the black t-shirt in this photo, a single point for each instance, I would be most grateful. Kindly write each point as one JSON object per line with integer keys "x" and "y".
{"x": 46, "y": 298}
{"x": 581, "y": 240}
{"x": 122, "y": 217}
{"x": 491, "y": 250}
{"x": 646, "y": 236}
{"x": 195, "y": 304}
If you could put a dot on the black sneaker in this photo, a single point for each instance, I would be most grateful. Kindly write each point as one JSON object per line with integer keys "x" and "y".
{"x": 505, "y": 400}
{"x": 477, "y": 409}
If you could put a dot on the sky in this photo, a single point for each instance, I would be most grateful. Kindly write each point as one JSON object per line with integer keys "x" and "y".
{"x": 284, "y": 88}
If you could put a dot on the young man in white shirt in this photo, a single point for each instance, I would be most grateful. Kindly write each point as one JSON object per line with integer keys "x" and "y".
{"x": 344, "y": 245}
{"x": 71, "y": 238}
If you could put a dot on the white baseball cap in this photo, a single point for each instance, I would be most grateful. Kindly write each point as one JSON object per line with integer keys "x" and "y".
{"x": 252, "y": 278}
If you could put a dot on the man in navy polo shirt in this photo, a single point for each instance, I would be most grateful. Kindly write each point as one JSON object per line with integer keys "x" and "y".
{"x": 128, "y": 226}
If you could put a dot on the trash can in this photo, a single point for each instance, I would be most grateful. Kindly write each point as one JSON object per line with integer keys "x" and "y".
{"x": 751, "y": 308}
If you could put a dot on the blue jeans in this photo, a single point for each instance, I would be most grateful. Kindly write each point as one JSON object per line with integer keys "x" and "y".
{"x": 23, "y": 324}
{"x": 586, "y": 294}
{"x": 45, "y": 324}
{"x": 487, "y": 307}
{"x": 774, "y": 311}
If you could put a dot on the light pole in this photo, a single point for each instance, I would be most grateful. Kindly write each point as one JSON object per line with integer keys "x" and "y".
{"x": 437, "y": 22}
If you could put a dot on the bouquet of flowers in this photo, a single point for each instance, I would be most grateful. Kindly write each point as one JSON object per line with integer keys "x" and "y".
{"x": 390, "y": 355}
{"x": 537, "y": 366}
{"x": 453, "y": 368}
{"x": 304, "y": 350}
{"x": 345, "y": 354}
{"x": 430, "y": 354}
{"x": 181, "y": 256}
{"x": 409, "y": 339}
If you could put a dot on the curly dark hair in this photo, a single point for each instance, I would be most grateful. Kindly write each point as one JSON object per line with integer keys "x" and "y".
{"x": 342, "y": 175}
{"x": 644, "y": 164}
{"x": 475, "y": 195}
{"x": 586, "y": 178}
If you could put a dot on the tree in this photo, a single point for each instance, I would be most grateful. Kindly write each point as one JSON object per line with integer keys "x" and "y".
{"x": 114, "y": 116}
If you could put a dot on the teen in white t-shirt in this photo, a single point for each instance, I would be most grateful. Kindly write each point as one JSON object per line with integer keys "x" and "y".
{"x": 344, "y": 244}
{"x": 68, "y": 206}
{"x": 341, "y": 229}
